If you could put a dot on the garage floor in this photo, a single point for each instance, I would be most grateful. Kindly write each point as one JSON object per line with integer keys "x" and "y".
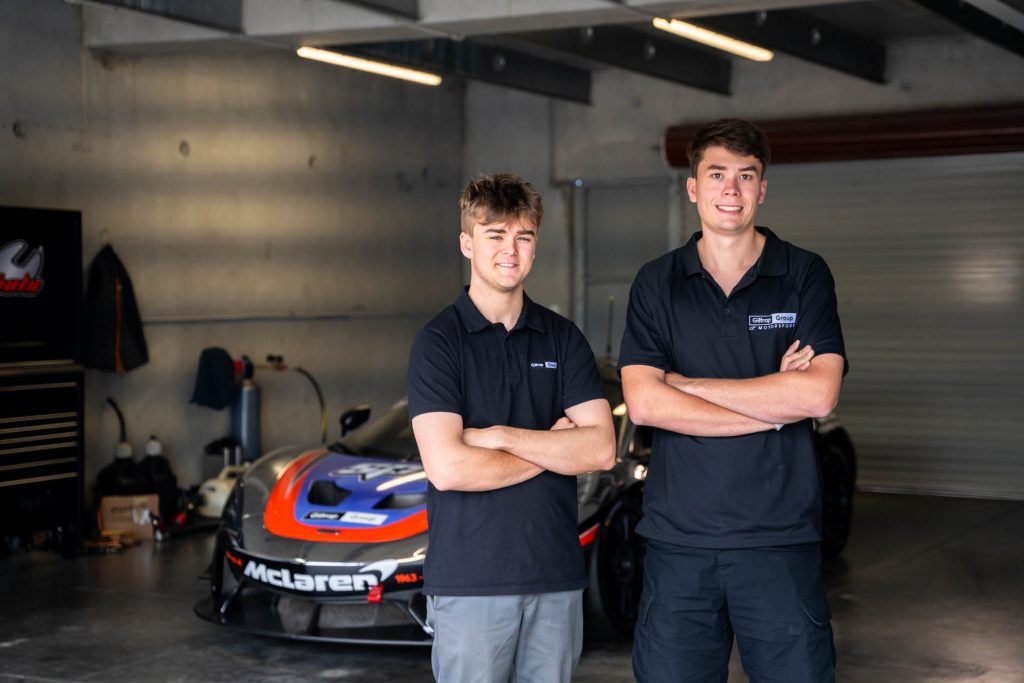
{"x": 929, "y": 589}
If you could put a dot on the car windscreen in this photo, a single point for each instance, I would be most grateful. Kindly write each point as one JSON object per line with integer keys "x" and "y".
{"x": 389, "y": 436}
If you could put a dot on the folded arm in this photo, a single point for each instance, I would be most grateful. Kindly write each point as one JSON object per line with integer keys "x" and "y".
{"x": 653, "y": 402}
{"x": 587, "y": 444}
{"x": 451, "y": 464}
{"x": 782, "y": 397}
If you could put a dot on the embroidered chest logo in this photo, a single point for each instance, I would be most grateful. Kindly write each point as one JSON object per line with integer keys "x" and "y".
{"x": 771, "y": 321}
{"x": 549, "y": 364}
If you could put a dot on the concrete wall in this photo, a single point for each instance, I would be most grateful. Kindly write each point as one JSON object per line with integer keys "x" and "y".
{"x": 312, "y": 215}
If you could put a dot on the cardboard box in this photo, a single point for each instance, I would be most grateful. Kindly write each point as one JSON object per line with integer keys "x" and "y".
{"x": 129, "y": 513}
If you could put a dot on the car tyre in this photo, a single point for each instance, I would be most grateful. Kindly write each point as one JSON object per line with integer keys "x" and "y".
{"x": 838, "y": 481}
{"x": 615, "y": 573}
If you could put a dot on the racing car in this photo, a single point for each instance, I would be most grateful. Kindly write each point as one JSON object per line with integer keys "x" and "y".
{"x": 327, "y": 543}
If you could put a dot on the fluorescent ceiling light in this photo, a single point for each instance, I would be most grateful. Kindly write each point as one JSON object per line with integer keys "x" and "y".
{"x": 712, "y": 39}
{"x": 379, "y": 68}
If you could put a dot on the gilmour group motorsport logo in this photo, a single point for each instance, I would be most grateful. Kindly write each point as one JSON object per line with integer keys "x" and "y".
{"x": 772, "y": 321}
{"x": 20, "y": 268}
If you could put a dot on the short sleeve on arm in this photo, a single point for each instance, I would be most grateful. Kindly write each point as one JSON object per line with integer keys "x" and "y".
{"x": 581, "y": 381}
{"x": 643, "y": 341}
{"x": 818, "y": 320}
{"x": 435, "y": 384}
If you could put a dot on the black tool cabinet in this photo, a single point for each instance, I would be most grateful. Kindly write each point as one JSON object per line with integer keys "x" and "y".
{"x": 41, "y": 383}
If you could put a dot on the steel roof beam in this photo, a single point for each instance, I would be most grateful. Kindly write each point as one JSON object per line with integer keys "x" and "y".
{"x": 801, "y": 35}
{"x": 484, "y": 62}
{"x": 636, "y": 50}
{"x": 406, "y": 9}
{"x": 225, "y": 15}
{"x": 980, "y": 23}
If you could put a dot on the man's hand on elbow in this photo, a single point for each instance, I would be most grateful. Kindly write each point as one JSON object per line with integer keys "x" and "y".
{"x": 794, "y": 359}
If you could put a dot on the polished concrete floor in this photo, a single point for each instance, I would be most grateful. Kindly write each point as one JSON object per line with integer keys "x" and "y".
{"x": 929, "y": 589}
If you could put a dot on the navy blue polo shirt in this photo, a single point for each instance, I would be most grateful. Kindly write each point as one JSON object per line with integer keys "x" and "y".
{"x": 744, "y": 491}
{"x": 523, "y": 538}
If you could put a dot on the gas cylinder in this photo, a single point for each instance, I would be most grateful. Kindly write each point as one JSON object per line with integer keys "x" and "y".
{"x": 245, "y": 419}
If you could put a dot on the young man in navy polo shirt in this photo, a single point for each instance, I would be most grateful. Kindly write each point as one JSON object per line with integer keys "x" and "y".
{"x": 712, "y": 358}
{"x": 507, "y": 408}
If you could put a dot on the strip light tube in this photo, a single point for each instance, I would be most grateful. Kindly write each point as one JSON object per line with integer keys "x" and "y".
{"x": 369, "y": 65}
{"x": 715, "y": 40}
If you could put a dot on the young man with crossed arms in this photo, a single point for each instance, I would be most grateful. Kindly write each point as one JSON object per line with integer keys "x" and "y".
{"x": 507, "y": 408}
{"x": 711, "y": 358}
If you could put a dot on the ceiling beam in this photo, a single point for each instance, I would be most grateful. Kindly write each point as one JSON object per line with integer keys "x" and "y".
{"x": 981, "y": 24}
{"x": 225, "y": 15}
{"x": 1007, "y": 11}
{"x": 480, "y": 61}
{"x": 800, "y": 35}
{"x": 630, "y": 48}
{"x": 406, "y": 9}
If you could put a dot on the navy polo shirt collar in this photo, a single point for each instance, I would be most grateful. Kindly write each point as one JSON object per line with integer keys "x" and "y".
{"x": 475, "y": 321}
{"x": 771, "y": 262}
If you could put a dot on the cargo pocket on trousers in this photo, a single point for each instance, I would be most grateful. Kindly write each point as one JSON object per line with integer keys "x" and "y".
{"x": 821, "y": 650}
{"x": 642, "y": 636}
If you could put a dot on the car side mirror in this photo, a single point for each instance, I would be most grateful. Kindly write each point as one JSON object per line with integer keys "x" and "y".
{"x": 353, "y": 418}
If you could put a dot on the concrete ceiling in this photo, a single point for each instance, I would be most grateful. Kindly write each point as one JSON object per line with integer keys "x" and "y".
{"x": 460, "y": 36}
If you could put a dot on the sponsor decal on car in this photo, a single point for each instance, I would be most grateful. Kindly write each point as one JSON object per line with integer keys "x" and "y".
{"x": 367, "y": 471}
{"x": 371, "y": 518}
{"x": 367, "y": 577}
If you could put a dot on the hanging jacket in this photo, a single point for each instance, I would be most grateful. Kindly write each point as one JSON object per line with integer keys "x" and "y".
{"x": 215, "y": 379}
{"x": 113, "y": 338}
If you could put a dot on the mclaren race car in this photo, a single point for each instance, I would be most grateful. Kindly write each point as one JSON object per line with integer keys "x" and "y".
{"x": 328, "y": 543}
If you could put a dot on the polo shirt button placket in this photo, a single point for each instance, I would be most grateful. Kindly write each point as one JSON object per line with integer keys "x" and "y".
{"x": 728, "y": 328}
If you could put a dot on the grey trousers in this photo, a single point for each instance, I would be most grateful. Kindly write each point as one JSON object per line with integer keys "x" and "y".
{"x": 506, "y": 638}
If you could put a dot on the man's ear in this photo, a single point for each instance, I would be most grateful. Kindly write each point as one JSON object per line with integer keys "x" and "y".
{"x": 466, "y": 245}
{"x": 691, "y": 188}
{"x": 763, "y": 192}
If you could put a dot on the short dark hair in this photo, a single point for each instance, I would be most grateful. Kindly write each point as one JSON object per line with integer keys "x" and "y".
{"x": 736, "y": 135}
{"x": 493, "y": 198}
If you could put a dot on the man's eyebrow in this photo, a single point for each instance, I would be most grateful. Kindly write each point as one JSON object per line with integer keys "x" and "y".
{"x": 497, "y": 230}
{"x": 719, "y": 167}
{"x": 527, "y": 231}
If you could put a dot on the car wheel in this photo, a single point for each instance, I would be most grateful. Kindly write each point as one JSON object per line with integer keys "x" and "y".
{"x": 837, "y": 486}
{"x": 616, "y": 573}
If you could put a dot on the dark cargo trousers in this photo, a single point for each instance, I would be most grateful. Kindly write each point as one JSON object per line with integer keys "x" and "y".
{"x": 696, "y": 599}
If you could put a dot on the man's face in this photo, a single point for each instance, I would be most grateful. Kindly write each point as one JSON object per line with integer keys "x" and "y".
{"x": 501, "y": 254}
{"x": 727, "y": 189}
